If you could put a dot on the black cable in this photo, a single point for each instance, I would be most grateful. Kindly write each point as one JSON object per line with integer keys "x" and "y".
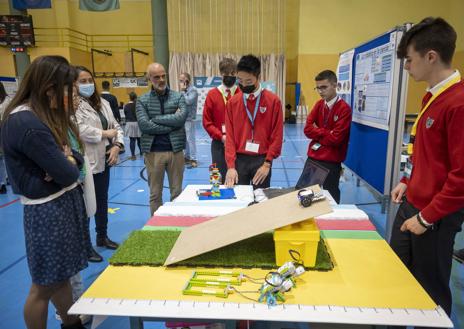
{"x": 242, "y": 293}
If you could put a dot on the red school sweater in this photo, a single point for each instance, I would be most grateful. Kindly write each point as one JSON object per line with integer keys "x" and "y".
{"x": 332, "y": 132}
{"x": 436, "y": 186}
{"x": 268, "y": 127}
{"x": 214, "y": 113}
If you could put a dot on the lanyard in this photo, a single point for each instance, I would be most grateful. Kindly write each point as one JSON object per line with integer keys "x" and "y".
{"x": 224, "y": 96}
{"x": 250, "y": 117}
{"x": 438, "y": 93}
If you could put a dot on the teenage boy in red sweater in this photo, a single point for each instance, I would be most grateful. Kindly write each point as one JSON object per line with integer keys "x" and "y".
{"x": 214, "y": 112}
{"x": 254, "y": 125}
{"x": 432, "y": 191}
{"x": 328, "y": 127}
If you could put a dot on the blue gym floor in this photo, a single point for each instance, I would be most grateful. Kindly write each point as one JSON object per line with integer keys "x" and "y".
{"x": 129, "y": 211}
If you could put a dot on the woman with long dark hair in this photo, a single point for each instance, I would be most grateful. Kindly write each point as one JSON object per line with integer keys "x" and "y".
{"x": 43, "y": 170}
{"x": 103, "y": 138}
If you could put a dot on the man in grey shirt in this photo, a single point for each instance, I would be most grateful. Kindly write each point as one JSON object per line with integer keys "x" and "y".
{"x": 191, "y": 97}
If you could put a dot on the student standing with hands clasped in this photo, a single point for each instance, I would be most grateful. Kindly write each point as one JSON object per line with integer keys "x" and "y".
{"x": 103, "y": 139}
{"x": 432, "y": 191}
{"x": 254, "y": 126}
{"x": 44, "y": 170}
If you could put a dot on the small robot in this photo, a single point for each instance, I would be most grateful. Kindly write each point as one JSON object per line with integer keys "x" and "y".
{"x": 279, "y": 282}
{"x": 270, "y": 291}
{"x": 289, "y": 272}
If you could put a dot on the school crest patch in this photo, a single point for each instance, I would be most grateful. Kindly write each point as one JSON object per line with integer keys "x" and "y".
{"x": 429, "y": 122}
{"x": 262, "y": 109}
{"x": 335, "y": 117}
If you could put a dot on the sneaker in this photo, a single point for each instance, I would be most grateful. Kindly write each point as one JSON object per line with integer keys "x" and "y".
{"x": 193, "y": 163}
{"x": 187, "y": 161}
{"x": 459, "y": 255}
{"x": 133, "y": 157}
{"x": 3, "y": 189}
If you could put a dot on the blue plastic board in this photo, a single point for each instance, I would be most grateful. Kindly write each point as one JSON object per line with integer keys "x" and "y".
{"x": 367, "y": 149}
{"x": 226, "y": 193}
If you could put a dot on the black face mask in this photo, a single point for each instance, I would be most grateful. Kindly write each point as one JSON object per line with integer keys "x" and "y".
{"x": 229, "y": 80}
{"x": 247, "y": 89}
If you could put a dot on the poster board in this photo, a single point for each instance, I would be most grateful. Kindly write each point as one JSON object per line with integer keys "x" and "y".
{"x": 377, "y": 100}
{"x": 11, "y": 85}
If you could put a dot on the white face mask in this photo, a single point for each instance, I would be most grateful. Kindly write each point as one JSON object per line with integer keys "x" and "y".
{"x": 87, "y": 89}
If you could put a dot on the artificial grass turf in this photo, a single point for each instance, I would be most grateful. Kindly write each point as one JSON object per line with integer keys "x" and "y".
{"x": 153, "y": 247}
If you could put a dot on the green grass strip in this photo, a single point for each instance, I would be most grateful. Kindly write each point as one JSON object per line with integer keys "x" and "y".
{"x": 358, "y": 235}
{"x": 152, "y": 247}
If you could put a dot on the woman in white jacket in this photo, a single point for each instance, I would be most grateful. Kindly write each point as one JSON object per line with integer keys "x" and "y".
{"x": 103, "y": 138}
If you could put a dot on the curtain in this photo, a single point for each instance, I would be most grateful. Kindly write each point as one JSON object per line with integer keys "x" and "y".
{"x": 207, "y": 65}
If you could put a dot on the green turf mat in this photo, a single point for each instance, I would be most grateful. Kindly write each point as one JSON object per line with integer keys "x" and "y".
{"x": 357, "y": 235}
{"x": 152, "y": 247}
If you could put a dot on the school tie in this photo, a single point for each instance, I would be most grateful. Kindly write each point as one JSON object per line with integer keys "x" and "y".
{"x": 251, "y": 98}
{"x": 228, "y": 94}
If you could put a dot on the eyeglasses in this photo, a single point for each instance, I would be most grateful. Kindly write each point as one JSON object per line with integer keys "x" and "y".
{"x": 321, "y": 88}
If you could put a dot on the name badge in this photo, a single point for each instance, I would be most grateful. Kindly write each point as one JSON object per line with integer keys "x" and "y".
{"x": 315, "y": 146}
{"x": 251, "y": 146}
{"x": 408, "y": 168}
{"x": 223, "y": 129}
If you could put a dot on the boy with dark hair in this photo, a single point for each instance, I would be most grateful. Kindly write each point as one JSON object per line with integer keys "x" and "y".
{"x": 431, "y": 192}
{"x": 105, "y": 94}
{"x": 328, "y": 127}
{"x": 254, "y": 125}
{"x": 214, "y": 112}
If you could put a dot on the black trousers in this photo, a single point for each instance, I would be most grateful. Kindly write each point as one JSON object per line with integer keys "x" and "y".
{"x": 428, "y": 256}
{"x": 332, "y": 180}
{"x": 133, "y": 140}
{"x": 102, "y": 183}
{"x": 247, "y": 166}
{"x": 218, "y": 157}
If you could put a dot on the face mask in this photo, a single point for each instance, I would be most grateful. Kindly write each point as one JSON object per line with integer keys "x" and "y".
{"x": 229, "y": 80}
{"x": 86, "y": 89}
{"x": 247, "y": 89}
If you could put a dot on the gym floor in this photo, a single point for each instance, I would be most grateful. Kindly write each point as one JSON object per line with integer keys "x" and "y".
{"x": 129, "y": 210}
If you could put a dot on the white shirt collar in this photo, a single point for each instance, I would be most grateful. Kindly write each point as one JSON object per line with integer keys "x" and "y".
{"x": 435, "y": 88}
{"x": 256, "y": 93}
{"x": 105, "y": 92}
{"x": 332, "y": 102}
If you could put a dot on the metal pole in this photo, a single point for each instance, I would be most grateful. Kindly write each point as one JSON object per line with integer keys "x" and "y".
{"x": 160, "y": 32}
